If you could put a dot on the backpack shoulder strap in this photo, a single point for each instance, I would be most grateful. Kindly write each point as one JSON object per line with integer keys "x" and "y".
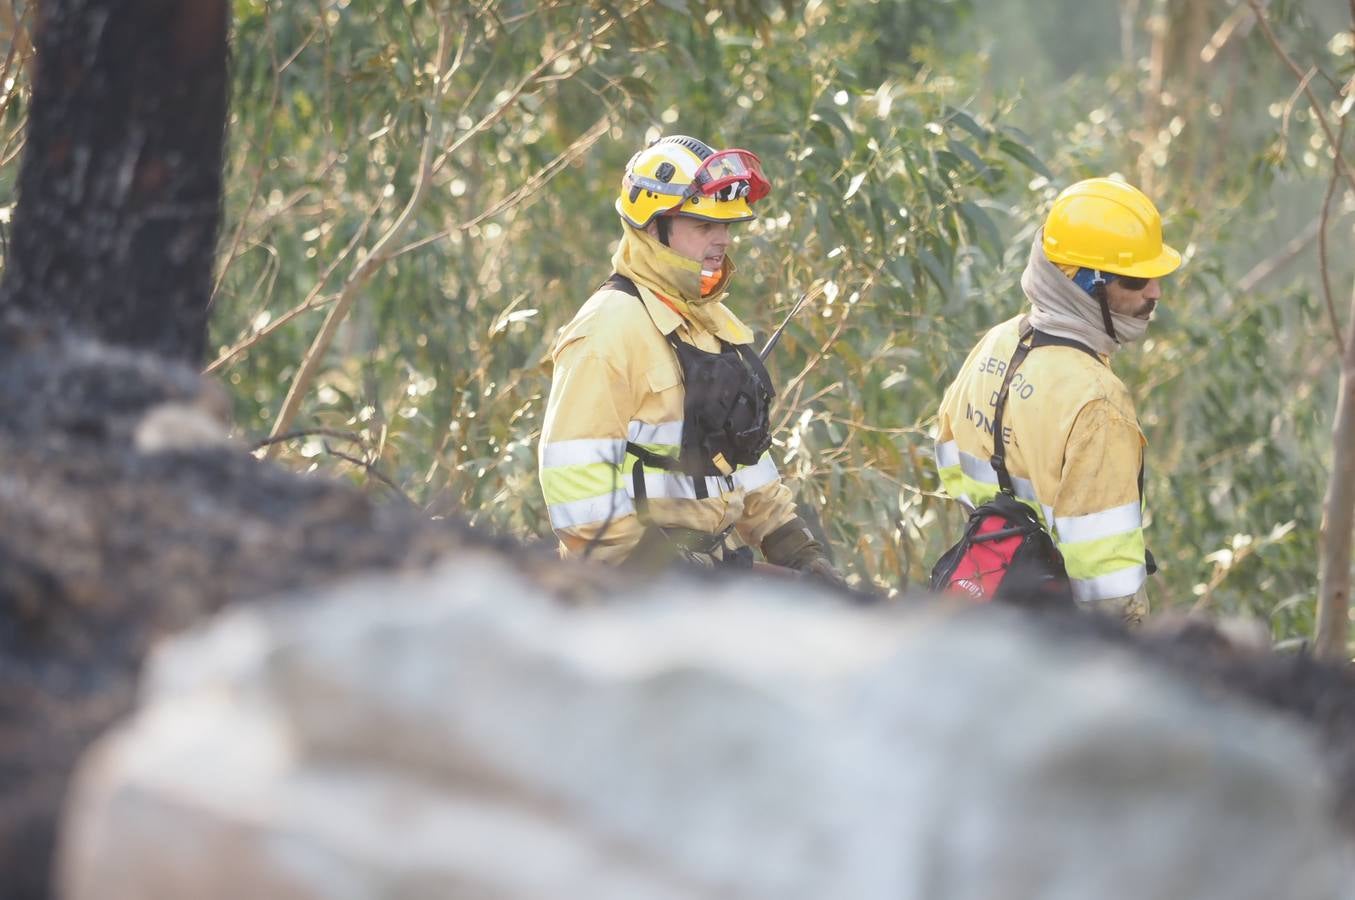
{"x": 1042, "y": 339}
{"x": 1028, "y": 340}
{"x": 643, "y": 456}
{"x": 618, "y": 282}
{"x": 999, "y": 457}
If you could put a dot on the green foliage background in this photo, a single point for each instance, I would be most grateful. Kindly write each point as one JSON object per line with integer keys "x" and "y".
{"x": 914, "y": 146}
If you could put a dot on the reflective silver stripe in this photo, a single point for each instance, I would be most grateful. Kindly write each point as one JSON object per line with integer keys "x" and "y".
{"x": 675, "y": 486}
{"x": 982, "y": 470}
{"x": 582, "y": 452}
{"x": 653, "y": 185}
{"x": 1109, "y": 522}
{"x": 667, "y": 433}
{"x": 760, "y": 475}
{"x": 1117, "y": 584}
{"x": 947, "y": 455}
{"x": 594, "y": 509}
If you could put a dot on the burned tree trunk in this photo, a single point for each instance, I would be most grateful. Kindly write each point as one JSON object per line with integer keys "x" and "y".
{"x": 120, "y": 186}
{"x": 125, "y": 514}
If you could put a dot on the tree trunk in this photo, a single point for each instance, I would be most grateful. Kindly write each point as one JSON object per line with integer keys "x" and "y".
{"x": 1333, "y": 602}
{"x": 120, "y": 187}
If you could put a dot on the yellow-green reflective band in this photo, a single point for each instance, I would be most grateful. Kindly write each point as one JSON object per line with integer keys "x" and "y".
{"x": 1092, "y": 559}
{"x": 566, "y": 484}
{"x": 955, "y": 484}
{"x": 661, "y": 449}
{"x": 569, "y": 484}
{"x": 976, "y": 493}
{"x": 981, "y": 472}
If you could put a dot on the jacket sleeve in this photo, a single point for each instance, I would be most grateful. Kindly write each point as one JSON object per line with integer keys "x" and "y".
{"x": 767, "y": 503}
{"x": 582, "y": 453}
{"x": 1098, "y": 513}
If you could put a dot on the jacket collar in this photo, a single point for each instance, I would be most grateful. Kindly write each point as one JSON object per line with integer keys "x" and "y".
{"x": 656, "y": 270}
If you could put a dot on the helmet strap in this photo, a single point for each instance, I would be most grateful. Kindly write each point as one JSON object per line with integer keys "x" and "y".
{"x": 1099, "y": 292}
{"x": 1094, "y": 282}
{"x": 664, "y": 225}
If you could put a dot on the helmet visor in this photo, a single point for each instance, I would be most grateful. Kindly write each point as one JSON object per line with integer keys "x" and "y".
{"x": 731, "y": 174}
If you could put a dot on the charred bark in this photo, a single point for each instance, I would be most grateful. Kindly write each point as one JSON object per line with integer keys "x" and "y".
{"x": 120, "y": 185}
{"x": 124, "y": 513}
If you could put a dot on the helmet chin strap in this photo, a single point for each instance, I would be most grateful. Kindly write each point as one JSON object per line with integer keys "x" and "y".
{"x": 1098, "y": 290}
{"x": 664, "y": 225}
{"x": 1094, "y": 282}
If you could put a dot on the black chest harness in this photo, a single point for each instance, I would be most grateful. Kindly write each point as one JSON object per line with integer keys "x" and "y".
{"x": 726, "y": 413}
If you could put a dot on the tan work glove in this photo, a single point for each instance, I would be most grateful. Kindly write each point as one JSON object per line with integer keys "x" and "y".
{"x": 793, "y": 545}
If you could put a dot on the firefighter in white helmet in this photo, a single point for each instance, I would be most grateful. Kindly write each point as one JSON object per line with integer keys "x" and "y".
{"x": 1072, "y": 444}
{"x": 656, "y": 433}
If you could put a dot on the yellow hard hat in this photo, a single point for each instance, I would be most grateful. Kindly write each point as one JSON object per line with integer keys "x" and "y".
{"x": 680, "y": 175}
{"x": 1108, "y": 225}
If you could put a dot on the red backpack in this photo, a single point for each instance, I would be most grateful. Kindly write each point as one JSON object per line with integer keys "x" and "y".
{"x": 1005, "y": 553}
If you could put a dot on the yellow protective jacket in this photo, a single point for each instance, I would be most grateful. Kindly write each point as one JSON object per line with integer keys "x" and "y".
{"x": 616, "y": 379}
{"x": 1074, "y": 451}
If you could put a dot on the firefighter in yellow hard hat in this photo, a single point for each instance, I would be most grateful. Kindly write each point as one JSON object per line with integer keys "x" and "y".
{"x": 656, "y": 432}
{"x": 1073, "y": 446}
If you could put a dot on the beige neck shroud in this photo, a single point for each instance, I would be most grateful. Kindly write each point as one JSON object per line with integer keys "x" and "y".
{"x": 1061, "y": 308}
{"x": 644, "y": 260}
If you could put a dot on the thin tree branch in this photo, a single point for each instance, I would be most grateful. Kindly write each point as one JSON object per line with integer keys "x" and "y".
{"x": 502, "y": 107}
{"x": 258, "y": 175}
{"x": 11, "y": 84}
{"x": 350, "y": 436}
{"x": 230, "y": 354}
{"x": 1278, "y": 260}
{"x": 547, "y": 172}
{"x": 1294, "y": 99}
{"x": 21, "y": 43}
{"x": 378, "y": 254}
{"x": 1331, "y": 640}
{"x": 312, "y": 301}
{"x": 1236, "y": 24}
{"x": 534, "y": 183}
{"x": 14, "y": 141}
{"x": 527, "y": 80}
{"x": 797, "y": 383}
{"x": 374, "y": 472}
{"x": 1129, "y": 13}
{"x": 308, "y": 432}
{"x": 1333, "y": 594}
{"x": 877, "y": 429}
{"x": 1323, "y": 268}
{"x": 1313, "y": 101}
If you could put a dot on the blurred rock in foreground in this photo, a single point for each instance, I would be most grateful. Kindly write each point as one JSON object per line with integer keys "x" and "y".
{"x": 125, "y": 515}
{"x": 459, "y": 734}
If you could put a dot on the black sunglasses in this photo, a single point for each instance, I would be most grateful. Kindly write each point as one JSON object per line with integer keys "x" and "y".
{"x": 1131, "y": 284}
